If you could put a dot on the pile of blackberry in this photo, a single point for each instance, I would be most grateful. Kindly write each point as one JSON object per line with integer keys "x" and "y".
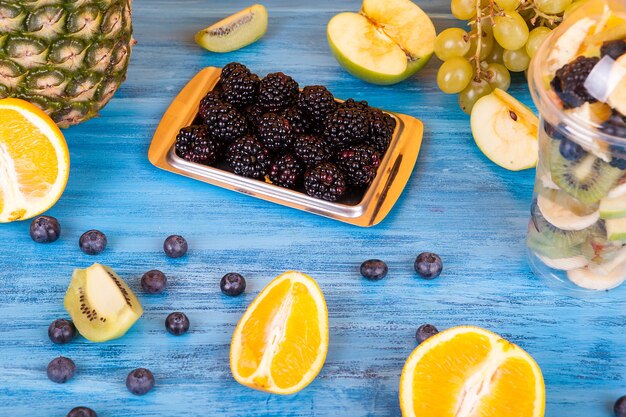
{"x": 270, "y": 130}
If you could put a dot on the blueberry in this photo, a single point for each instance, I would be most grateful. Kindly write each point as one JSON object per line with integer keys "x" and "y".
{"x": 571, "y": 150}
{"x": 554, "y": 132}
{"x": 233, "y": 284}
{"x": 428, "y": 265}
{"x": 153, "y": 282}
{"x": 92, "y": 242}
{"x": 82, "y": 412}
{"x": 424, "y": 332}
{"x": 45, "y": 229}
{"x": 140, "y": 381}
{"x": 175, "y": 246}
{"x": 620, "y": 407}
{"x": 177, "y": 323}
{"x": 61, "y": 331}
{"x": 374, "y": 269}
{"x": 61, "y": 369}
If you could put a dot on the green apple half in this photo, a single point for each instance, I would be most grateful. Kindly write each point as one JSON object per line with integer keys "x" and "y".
{"x": 387, "y": 42}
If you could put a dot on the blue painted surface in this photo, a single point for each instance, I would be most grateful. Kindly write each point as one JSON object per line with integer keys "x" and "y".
{"x": 457, "y": 204}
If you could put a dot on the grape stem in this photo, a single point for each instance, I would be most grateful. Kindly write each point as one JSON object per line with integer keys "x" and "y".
{"x": 479, "y": 40}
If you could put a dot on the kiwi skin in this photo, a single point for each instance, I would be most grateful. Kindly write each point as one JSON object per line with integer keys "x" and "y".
{"x": 95, "y": 325}
{"x": 588, "y": 179}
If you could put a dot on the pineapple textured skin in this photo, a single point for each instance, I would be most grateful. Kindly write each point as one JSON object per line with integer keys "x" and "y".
{"x": 66, "y": 56}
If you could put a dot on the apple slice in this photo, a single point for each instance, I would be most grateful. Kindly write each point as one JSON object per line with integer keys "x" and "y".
{"x": 234, "y": 32}
{"x": 617, "y": 98}
{"x": 613, "y": 208}
{"x": 387, "y": 42}
{"x": 505, "y": 131}
{"x": 616, "y": 229}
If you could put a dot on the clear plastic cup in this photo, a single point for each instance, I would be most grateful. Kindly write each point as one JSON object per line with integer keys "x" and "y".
{"x": 577, "y": 229}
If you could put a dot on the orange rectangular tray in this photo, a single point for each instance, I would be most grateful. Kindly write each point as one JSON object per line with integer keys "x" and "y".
{"x": 393, "y": 173}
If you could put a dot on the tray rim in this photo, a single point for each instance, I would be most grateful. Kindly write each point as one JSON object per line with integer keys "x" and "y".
{"x": 378, "y": 200}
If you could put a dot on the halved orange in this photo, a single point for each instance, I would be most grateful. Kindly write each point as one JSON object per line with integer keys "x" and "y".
{"x": 280, "y": 343}
{"x": 471, "y": 372}
{"x": 34, "y": 161}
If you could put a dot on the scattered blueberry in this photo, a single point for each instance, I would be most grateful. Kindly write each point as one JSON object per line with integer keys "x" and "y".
{"x": 620, "y": 407}
{"x": 175, "y": 246}
{"x": 61, "y": 369}
{"x": 424, "y": 332}
{"x": 374, "y": 269}
{"x": 61, "y": 331}
{"x": 571, "y": 150}
{"x": 82, "y": 412}
{"x": 140, "y": 381}
{"x": 177, "y": 323}
{"x": 153, "y": 282}
{"x": 45, "y": 229}
{"x": 92, "y": 242}
{"x": 233, "y": 284}
{"x": 428, "y": 265}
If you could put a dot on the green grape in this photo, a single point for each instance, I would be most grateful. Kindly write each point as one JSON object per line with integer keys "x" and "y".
{"x": 454, "y": 75}
{"x": 552, "y": 6}
{"x": 463, "y": 9}
{"x": 510, "y": 30}
{"x": 498, "y": 76}
{"x": 451, "y": 43}
{"x": 535, "y": 39}
{"x": 496, "y": 54}
{"x": 474, "y": 91}
{"x": 516, "y": 61}
{"x": 508, "y": 4}
{"x": 487, "y": 43}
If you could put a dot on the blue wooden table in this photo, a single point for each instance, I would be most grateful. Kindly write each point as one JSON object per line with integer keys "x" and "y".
{"x": 457, "y": 204}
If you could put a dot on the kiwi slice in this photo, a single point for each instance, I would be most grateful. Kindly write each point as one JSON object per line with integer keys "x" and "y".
{"x": 553, "y": 236}
{"x": 236, "y": 31}
{"x": 588, "y": 180}
{"x": 101, "y": 305}
{"x": 540, "y": 245}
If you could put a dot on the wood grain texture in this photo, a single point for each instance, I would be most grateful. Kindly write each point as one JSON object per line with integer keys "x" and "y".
{"x": 457, "y": 204}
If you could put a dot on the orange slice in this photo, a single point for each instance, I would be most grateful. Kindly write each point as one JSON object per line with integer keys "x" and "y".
{"x": 280, "y": 343}
{"x": 471, "y": 372}
{"x": 34, "y": 161}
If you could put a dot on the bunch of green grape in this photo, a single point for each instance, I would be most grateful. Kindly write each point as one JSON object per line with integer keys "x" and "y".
{"x": 502, "y": 38}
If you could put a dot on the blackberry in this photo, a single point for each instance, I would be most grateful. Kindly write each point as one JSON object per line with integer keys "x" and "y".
{"x": 326, "y": 182}
{"x": 225, "y": 123}
{"x": 569, "y": 82}
{"x": 381, "y": 130}
{"x": 194, "y": 144}
{"x": 209, "y": 103}
{"x": 248, "y": 157}
{"x": 299, "y": 123}
{"x": 360, "y": 164}
{"x": 234, "y": 68}
{"x": 277, "y": 91}
{"x": 316, "y": 102}
{"x": 286, "y": 171}
{"x": 353, "y": 104}
{"x": 346, "y": 126}
{"x": 311, "y": 150}
{"x": 274, "y": 131}
{"x": 614, "y": 49}
{"x": 240, "y": 90}
{"x": 253, "y": 114}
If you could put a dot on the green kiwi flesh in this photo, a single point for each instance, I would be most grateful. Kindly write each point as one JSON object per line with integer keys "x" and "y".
{"x": 236, "y": 31}
{"x": 588, "y": 180}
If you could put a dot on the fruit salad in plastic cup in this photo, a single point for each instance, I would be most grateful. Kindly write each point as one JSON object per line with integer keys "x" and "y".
{"x": 577, "y": 230}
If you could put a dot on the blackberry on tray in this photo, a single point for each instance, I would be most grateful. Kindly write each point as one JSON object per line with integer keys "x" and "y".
{"x": 249, "y": 158}
{"x": 194, "y": 144}
{"x": 274, "y": 131}
{"x": 326, "y": 182}
{"x": 234, "y": 68}
{"x": 316, "y": 102}
{"x": 360, "y": 164}
{"x": 299, "y": 122}
{"x": 225, "y": 123}
{"x": 286, "y": 171}
{"x": 277, "y": 91}
{"x": 346, "y": 126}
{"x": 240, "y": 90}
{"x": 311, "y": 150}
{"x": 381, "y": 130}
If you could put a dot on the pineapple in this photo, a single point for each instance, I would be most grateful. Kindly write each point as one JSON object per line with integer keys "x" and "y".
{"x": 66, "y": 56}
